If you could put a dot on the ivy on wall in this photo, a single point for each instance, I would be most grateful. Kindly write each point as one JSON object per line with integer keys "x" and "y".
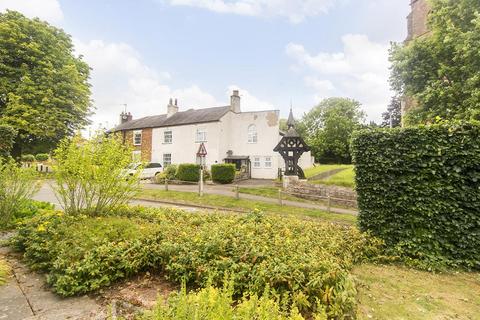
{"x": 419, "y": 190}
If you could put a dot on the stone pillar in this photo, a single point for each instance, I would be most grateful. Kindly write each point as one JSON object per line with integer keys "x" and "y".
{"x": 289, "y": 180}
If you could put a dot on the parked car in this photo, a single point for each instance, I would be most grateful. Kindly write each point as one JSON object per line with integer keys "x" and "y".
{"x": 148, "y": 170}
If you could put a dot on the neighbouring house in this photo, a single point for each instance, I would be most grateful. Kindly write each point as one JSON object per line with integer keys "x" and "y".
{"x": 417, "y": 22}
{"x": 225, "y": 134}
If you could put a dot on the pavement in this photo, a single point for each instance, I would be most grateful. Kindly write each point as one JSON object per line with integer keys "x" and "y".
{"x": 25, "y": 296}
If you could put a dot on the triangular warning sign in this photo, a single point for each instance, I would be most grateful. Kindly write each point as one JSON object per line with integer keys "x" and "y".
{"x": 202, "y": 151}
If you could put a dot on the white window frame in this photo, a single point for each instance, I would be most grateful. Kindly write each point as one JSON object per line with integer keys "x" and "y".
{"x": 257, "y": 160}
{"x": 270, "y": 162}
{"x": 201, "y": 135}
{"x": 165, "y": 141}
{"x": 252, "y": 134}
{"x": 137, "y": 134}
{"x": 164, "y": 163}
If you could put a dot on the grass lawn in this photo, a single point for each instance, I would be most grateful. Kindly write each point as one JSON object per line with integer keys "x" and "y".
{"x": 242, "y": 204}
{"x": 390, "y": 292}
{"x": 270, "y": 192}
{"x": 4, "y": 271}
{"x": 345, "y": 178}
{"x": 313, "y": 171}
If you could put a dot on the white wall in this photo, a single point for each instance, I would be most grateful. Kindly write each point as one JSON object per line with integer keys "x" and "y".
{"x": 184, "y": 146}
{"x": 235, "y": 126}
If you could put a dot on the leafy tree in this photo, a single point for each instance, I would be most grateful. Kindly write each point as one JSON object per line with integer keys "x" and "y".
{"x": 393, "y": 115}
{"x": 7, "y": 137}
{"x": 282, "y": 124}
{"x": 91, "y": 176}
{"x": 328, "y": 127}
{"x": 44, "y": 89}
{"x": 441, "y": 71}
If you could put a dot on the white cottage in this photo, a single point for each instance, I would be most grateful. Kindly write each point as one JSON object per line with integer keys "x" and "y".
{"x": 246, "y": 139}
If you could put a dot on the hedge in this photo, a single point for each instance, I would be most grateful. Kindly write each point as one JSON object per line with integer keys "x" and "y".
{"x": 28, "y": 158}
{"x": 41, "y": 157}
{"x": 188, "y": 172}
{"x": 223, "y": 173}
{"x": 419, "y": 190}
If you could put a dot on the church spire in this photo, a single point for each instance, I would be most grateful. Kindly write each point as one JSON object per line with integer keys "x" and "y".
{"x": 291, "y": 120}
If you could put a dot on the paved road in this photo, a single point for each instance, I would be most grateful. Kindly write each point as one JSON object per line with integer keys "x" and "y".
{"x": 46, "y": 194}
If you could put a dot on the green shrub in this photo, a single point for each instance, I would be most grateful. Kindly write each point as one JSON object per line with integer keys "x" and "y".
{"x": 28, "y": 158}
{"x": 4, "y": 271}
{"x": 188, "y": 172}
{"x": 171, "y": 172}
{"x": 160, "y": 178}
{"x": 419, "y": 190}
{"x": 305, "y": 263}
{"x": 42, "y": 157}
{"x": 17, "y": 185}
{"x": 223, "y": 173}
{"x": 218, "y": 304}
{"x": 91, "y": 176}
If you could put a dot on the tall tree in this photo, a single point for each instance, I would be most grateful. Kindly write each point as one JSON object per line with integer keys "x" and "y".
{"x": 44, "y": 89}
{"x": 393, "y": 115}
{"x": 328, "y": 127}
{"x": 440, "y": 71}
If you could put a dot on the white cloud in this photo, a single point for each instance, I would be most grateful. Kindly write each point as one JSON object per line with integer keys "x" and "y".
{"x": 48, "y": 10}
{"x": 119, "y": 76}
{"x": 248, "y": 101}
{"x": 295, "y": 10}
{"x": 359, "y": 71}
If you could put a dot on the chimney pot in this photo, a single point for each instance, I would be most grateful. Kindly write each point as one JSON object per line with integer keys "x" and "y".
{"x": 235, "y": 102}
{"x": 172, "y": 108}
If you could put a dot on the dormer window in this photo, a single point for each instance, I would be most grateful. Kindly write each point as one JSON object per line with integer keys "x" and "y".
{"x": 252, "y": 134}
{"x": 137, "y": 137}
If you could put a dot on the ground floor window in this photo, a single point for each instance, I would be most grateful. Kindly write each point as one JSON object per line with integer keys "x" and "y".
{"x": 256, "y": 162}
{"x": 268, "y": 162}
{"x": 167, "y": 159}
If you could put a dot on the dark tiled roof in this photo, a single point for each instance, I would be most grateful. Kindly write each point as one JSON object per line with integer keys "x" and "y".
{"x": 191, "y": 116}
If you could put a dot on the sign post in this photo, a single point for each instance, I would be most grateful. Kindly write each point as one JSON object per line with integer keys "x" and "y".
{"x": 201, "y": 154}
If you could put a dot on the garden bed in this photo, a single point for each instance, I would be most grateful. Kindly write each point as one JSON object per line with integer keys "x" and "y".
{"x": 305, "y": 264}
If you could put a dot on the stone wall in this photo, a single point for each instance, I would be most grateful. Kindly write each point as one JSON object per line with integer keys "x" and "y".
{"x": 339, "y": 196}
{"x": 417, "y": 19}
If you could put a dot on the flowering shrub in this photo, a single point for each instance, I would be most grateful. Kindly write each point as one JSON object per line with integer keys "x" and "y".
{"x": 303, "y": 263}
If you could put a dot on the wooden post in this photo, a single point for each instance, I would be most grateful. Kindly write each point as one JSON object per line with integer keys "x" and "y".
{"x": 200, "y": 184}
{"x": 280, "y": 200}
{"x": 166, "y": 184}
{"x": 237, "y": 192}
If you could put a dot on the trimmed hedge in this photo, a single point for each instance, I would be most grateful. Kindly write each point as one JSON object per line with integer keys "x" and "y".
{"x": 188, "y": 172}
{"x": 223, "y": 173}
{"x": 419, "y": 190}
{"x": 28, "y": 158}
{"x": 42, "y": 157}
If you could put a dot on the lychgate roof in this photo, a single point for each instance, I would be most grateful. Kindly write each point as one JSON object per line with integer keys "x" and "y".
{"x": 191, "y": 116}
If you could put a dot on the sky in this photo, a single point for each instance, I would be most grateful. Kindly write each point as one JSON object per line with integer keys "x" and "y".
{"x": 278, "y": 53}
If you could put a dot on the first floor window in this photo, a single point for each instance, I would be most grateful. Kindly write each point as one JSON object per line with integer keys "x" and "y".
{"x": 256, "y": 162}
{"x": 252, "y": 134}
{"x": 136, "y": 156}
{"x": 167, "y": 159}
{"x": 137, "y": 137}
{"x": 167, "y": 136}
{"x": 268, "y": 162}
{"x": 201, "y": 135}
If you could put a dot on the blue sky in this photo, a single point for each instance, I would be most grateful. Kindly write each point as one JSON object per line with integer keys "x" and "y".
{"x": 274, "y": 51}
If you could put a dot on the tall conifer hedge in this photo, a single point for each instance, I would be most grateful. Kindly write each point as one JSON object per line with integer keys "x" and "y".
{"x": 419, "y": 190}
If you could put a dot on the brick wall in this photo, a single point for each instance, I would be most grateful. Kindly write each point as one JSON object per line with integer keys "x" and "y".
{"x": 417, "y": 19}
{"x": 145, "y": 147}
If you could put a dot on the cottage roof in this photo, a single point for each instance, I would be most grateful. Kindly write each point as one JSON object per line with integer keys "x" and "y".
{"x": 191, "y": 116}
